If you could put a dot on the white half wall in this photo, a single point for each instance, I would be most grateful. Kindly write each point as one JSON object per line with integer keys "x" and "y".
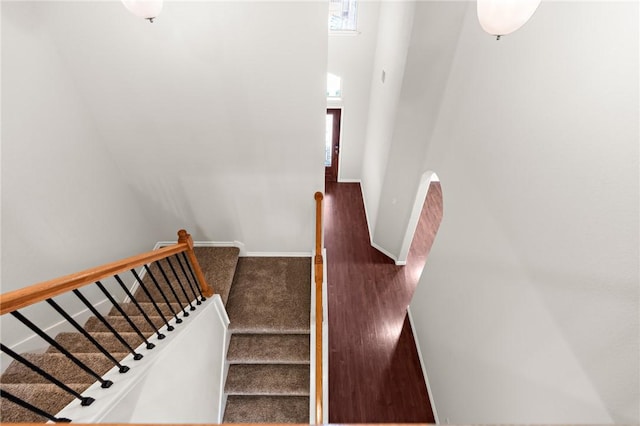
{"x": 528, "y": 308}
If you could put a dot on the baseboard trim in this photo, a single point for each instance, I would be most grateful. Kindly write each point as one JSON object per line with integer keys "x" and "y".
{"x": 424, "y": 370}
{"x": 389, "y": 255}
{"x": 366, "y": 213}
{"x": 238, "y": 244}
{"x": 224, "y": 368}
{"x": 278, "y": 254}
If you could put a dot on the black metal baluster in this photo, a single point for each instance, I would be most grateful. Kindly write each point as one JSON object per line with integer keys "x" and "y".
{"x": 94, "y": 311}
{"x": 195, "y": 280}
{"x": 142, "y": 311}
{"x": 126, "y": 317}
{"x": 166, "y": 279}
{"x": 153, "y": 278}
{"x": 184, "y": 272}
{"x": 84, "y": 400}
{"x": 85, "y": 333}
{"x": 33, "y": 408}
{"x": 155, "y": 305}
{"x": 76, "y": 361}
{"x": 186, "y": 296}
{"x": 175, "y": 274}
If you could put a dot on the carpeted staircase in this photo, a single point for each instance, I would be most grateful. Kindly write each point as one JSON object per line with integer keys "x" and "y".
{"x": 268, "y": 302}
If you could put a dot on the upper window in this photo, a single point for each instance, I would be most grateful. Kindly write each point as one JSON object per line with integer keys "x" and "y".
{"x": 342, "y": 15}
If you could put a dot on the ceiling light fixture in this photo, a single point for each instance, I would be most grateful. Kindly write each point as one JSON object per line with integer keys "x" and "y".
{"x": 147, "y": 9}
{"x": 502, "y": 17}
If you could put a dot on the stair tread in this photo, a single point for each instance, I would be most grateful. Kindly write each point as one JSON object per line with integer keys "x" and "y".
{"x": 77, "y": 343}
{"x": 45, "y": 396}
{"x": 263, "y": 287}
{"x": 218, "y": 265}
{"x": 122, "y": 325}
{"x": 59, "y": 366}
{"x": 269, "y": 348}
{"x": 266, "y": 409}
{"x": 267, "y": 379}
{"x": 132, "y": 310}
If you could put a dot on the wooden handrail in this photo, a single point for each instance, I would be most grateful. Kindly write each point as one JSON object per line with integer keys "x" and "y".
{"x": 20, "y": 298}
{"x": 319, "y": 311}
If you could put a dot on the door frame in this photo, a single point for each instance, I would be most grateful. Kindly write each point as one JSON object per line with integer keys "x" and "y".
{"x": 336, "y": 139}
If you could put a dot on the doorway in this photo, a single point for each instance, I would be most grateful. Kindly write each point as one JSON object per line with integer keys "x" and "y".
{"x": 332, "y": 144}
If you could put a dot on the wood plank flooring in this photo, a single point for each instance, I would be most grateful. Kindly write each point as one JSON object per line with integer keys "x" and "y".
{"x": 374, "y": 370}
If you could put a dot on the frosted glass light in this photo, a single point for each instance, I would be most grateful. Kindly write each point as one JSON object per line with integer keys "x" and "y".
{"x": 501, "y": 17}
{"x": 147, "y": 9}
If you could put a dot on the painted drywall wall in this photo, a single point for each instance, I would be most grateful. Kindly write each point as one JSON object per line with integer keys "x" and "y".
{"x": 394, "y": 34}
{"x": 65, "y": 205}
{"x": 351, "y": 58}
{"x": 433, "y": 43}
{"x": 214, "y": 114}
{"x": 527, "y": 310}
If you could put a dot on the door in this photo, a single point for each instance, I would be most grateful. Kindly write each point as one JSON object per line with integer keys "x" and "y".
{"x": 332, "y": 144}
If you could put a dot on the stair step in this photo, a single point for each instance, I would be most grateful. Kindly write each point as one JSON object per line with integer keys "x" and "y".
{"x": 47, "y": 397}
{"x": 219, "y": 267}
{"x": 267, "y": 379}
{"x": 266, "y": 409}
{"x": 269, "y": 349}
{"x": 131, "y": 309}
{"x": 121, "y": 324}
{"x": 271, "y": 295}
{"x": 77, "y": 343}
{"x": 59, "y": 366}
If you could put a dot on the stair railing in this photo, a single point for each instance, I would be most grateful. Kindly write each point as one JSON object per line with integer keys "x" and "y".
{"x": 318, "y": 263}
{"x": 177, "y": 257}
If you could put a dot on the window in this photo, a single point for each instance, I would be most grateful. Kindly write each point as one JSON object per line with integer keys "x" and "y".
{"x": 334, "y": 86}
{"x": 342, "y": 15}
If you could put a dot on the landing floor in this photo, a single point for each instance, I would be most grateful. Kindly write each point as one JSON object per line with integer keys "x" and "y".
{"x": 374, "y": 370}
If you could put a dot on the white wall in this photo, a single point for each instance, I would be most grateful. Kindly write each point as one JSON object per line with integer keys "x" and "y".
{"x": 527, "y": 310}
{"x": 394, "y": 31}
{"x": 116, "y": 132}
{"x": 65, "y": 205}
{"x": 214, "y": 113}
{"x": 351, "y": 58}
{"x": 433, "y": 43}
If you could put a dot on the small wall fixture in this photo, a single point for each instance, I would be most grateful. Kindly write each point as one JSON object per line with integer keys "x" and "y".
{"x": 147, "y": 9}
{"x": 502, "y": 17}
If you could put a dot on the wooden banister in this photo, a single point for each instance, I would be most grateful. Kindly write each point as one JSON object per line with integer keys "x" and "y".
{"x": 318, "y": 262}
{"x": 185, "y": 238}
{"x": 20, "y": 298}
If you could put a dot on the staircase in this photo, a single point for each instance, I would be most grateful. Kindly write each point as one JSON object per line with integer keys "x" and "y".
{"x": 268, "y": 304}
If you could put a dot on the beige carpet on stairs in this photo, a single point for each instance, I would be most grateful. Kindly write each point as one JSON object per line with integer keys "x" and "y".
{"x": 268, "y": 378}
{"x": 218, "y": 265}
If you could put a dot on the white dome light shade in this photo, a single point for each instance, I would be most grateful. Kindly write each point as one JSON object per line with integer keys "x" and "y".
{"x": 501, "y": 17}
{"x": 147, "y": 9}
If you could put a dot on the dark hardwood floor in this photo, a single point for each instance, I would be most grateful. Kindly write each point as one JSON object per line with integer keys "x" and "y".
{"x": 374, "y": 370}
